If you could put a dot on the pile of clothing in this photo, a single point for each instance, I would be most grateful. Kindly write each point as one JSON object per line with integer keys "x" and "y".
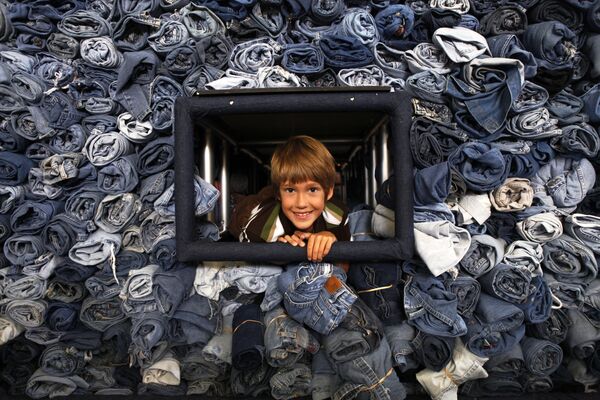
{"x": 503, "y": 296}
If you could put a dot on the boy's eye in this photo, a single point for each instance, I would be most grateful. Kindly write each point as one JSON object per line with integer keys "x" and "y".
{"x": 289, "y": 190}
{"x": 313, "y": 189}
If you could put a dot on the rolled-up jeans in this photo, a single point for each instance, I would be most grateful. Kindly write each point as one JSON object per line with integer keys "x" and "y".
{"x": 432, "y": 308}
{"x": 96, "y": 248}
{"x": 540, "y": 228}
{"x": 542, "y": 357}
{"x": 41, "y": 385}
{"x": 292, "y": 381}
{"x": 286, "y": 340}
{"x": 316, "y": 294}
{"x": 496, "y": 327}
{"x": 586, "y": 229}
{"x": 28, "y": 313}
{"x": 464, "y": 366}
{"x": 570, "y": 261}
{"x": 509, "y": 283}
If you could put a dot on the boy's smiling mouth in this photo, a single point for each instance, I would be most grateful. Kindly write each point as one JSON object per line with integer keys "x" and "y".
{"x": 302, "y": 215}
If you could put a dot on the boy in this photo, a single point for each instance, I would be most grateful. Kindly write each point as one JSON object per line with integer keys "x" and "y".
{"x": 299, "y": 205}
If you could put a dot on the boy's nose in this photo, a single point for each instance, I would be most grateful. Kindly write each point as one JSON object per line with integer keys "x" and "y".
{"x": 301, "y": 201}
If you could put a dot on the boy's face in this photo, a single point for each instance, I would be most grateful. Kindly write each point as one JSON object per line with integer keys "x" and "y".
{"x": 303, "y": 202}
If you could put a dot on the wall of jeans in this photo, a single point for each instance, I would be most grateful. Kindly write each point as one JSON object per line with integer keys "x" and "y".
{"x": 503, "y": 299}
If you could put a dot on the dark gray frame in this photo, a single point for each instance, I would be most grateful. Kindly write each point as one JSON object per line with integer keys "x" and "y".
{"x": 190, "y": 112}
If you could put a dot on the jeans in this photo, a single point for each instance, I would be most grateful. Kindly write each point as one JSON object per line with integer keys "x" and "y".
{"x": 83, "y": 24}
{"x": 489, "y": 108}
{"x": 171, "y": 288}
{"x": 131, "y": 31}
{"x": 14, "y": 168}
{"x": 441, "y": 245}
{"x": 376, "y": 285}
{"x": 104, "y": 148}
{"x": 325, "y": 12}
{"x": 251, "y": 382}
{"x": 116, "y": 211}
{"x": 426, "y": 56}
{"x": 169, "y": 36}
{"x": 359, "y": 222}
{"x": 137, "y": 292}
{"x": 195, "y": 366}
{"x": 582, "y": 336}
{"x": 120, "y": 176}
{"x": 101, "y": 314}
{"x": 345, "y": 52}
{"x": 464, "y": 366}
{"x": 540, "y": 228}
{"x": 482, "y": 167}
{"x": 23, "y": 249}
{"x": 250, "y": 56}
{"x": 359, "y": 23}
{"x": 137, "y": 70}
{"x": 495, "y": 328}
{"x": 41, "y": 385}
{"x": 316, "y": 294}
{"x": 196, "y": 320}
{"x": 9, "y": 330}
{"x": 391, "y": 61}
{"x": 166, "y": 371}
{"x": 431, "y": 308}
{"x": 460, "y": 44}
{"x": 290, "y": 382}
{"x": 248, "y": 338}
{"x": 61, "y": 360}
{"x": 580, "y": 140}
{"x": 28, "y": 313}
{"x": 370, "y": 75}
{"x": 551, "y": 43}
{"x": 508, "y": 45}
{"x": 96, "y": 248}
{"x": 514, "y": 194}
{"x": 286, "y": 340}
{"x": 201, "y": 22}
{"x": 509, "y": 283}
{"x": 134, "y": 130}
{"x": 467, "y": 291}
{"x": 197, "y": 80}
{"x": 277, "y": 77}
{"x": 428, "y": 85}
{"x": 570, "y": 261}
{"x": 541, "y": 357}
{"x": 62, "y": 317}
{"x": 66, "y": 292}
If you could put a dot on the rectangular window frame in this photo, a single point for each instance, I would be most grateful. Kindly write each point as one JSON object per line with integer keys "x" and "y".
{"x": 189, "y": 113}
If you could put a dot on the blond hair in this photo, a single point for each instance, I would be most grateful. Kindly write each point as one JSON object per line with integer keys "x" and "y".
{"x": 300, "y": 159}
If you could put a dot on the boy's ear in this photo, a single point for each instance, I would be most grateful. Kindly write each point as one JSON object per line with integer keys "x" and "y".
{"x": 330, "y": 194}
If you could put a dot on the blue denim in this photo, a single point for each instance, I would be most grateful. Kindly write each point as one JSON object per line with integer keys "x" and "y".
{"x": 431, "y": 308}
{"x": 137, "y": 70}
{"x": 345, "y": 52}
{"x": 395, "y": 21}
{"x": 303, "y": 58}
{"x": 316, "y": 294}
{"x": 551, "y": 43}
{"x": 502, "y": 80}
{"x": 14, "y": 168}
{"x": 496, "y": 326}
{"x": 481, "y": 166}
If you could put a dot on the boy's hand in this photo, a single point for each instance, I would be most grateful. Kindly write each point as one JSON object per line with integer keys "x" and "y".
{"x": 297, "y": 239}
{"x": 319, "y": 245}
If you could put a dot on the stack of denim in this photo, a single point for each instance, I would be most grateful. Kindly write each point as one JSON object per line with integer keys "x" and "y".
{"x": 505, "y": 144}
